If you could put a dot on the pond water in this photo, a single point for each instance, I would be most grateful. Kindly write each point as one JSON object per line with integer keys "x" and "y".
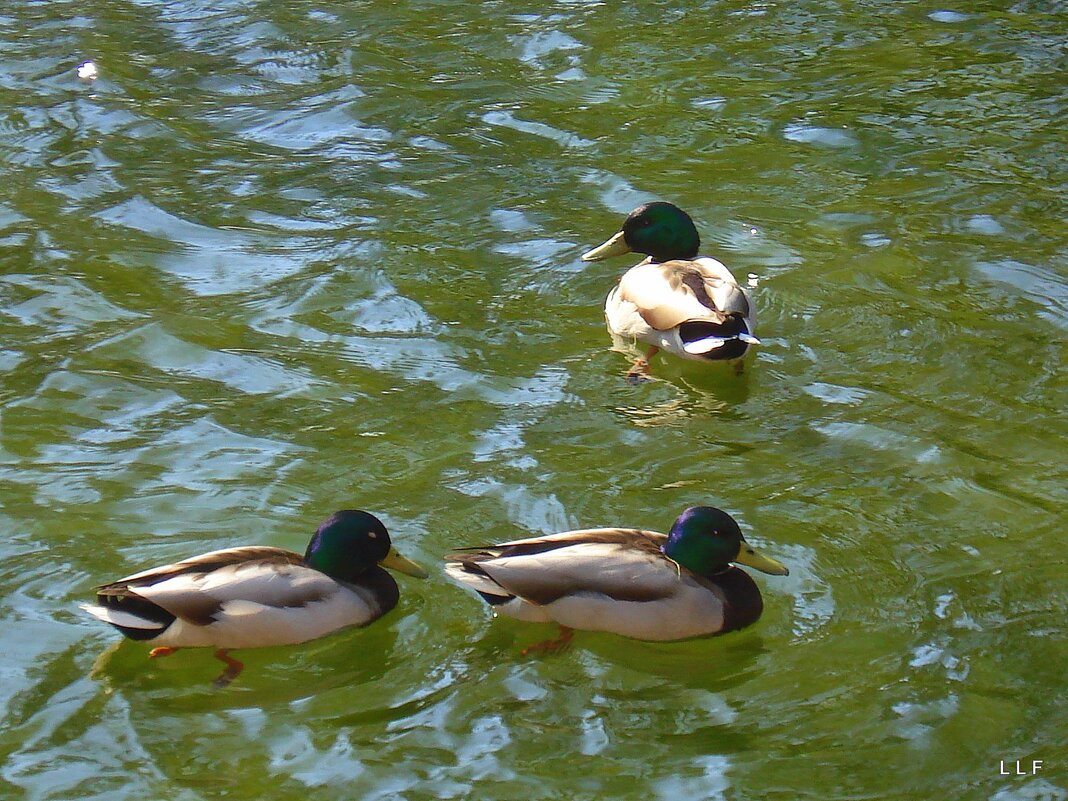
{"x": 280, "y": 259}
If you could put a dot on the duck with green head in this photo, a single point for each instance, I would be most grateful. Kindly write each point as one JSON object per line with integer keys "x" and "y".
{"x": 258, "y": 596}
{"x": 675, "y": 300}
{"x": 636, "y": 583}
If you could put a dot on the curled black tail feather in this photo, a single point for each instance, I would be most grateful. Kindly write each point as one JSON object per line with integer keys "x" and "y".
{"x": 135, "y": 605}
{"x": 694, "y": 330}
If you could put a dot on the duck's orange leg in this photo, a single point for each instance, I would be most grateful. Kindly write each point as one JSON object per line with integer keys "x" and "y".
{"x": 551, "y": 646}
{"x": 233, "y": 668}
{"x": 640, "y": 369}
{"x": 163, "y": 650}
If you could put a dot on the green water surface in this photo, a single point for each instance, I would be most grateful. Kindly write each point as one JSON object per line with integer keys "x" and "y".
{"x": 283, "y": 258}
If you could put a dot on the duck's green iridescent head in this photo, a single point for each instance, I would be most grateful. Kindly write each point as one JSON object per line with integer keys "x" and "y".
{"x": 706, "y": 540}
{"x": 351, "y": 542}
{"x": 661, "y": 230}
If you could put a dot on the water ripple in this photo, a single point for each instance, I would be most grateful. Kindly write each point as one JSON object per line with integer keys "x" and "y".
{"x": 155, "y": 347}
{"x": 211, "y": 261}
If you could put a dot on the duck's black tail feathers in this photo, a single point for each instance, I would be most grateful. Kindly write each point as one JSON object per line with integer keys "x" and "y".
{"x": 717, "y": 341}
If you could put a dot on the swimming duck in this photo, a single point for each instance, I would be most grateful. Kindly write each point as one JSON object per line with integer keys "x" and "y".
{"x": 257, "y": 596}
{"x": 639, "y": 584}
{"x": 675, "y": 300}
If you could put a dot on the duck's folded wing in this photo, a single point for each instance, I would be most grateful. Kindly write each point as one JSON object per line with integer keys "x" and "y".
{"x": 634, "y": 537}
{"x": 620, "y": 564}
{"x": 674, "y": 292}
{"x": 725, "y": 293}
{"x": 203, "y": 563}
{"x": 200, "y": 597}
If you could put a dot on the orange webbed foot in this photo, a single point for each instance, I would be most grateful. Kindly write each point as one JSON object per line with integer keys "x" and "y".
{"x": 639, "y": 371}
{"x": 556, "y": 646}
{"x": 233, "y": 668}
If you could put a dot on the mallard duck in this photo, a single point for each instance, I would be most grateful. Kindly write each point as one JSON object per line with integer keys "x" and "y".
{"x": 257, "y": 596}
{"x": 636, "y": 583}
{"x": 675, "y": 300}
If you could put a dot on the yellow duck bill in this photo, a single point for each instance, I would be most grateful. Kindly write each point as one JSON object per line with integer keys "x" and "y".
{"x": 751, "y": 557}
{"x": 402, "y": 564}
{"x": 616, "y": 246}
